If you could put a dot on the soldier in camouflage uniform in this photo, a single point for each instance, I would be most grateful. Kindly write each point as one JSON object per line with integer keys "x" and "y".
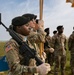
{"x": 40, "y": 25}
{"x": 17, "y": 63}
{"x": 48, "y": 48}
{"x": 59, "y": 45}
{"x": 71, "y": 49}
{"x": 36, "y": 30}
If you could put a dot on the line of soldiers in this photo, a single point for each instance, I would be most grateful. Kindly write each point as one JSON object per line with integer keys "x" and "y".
{"x": 58, "y": 43}
{"x": 58, "y": 56}
{"x": 71, "y": 49}
{"x": 32, "y": 32}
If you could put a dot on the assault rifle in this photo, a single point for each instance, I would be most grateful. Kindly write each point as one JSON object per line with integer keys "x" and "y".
{"x": 24, "y": 50}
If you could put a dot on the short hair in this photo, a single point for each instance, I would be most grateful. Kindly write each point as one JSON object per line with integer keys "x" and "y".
{"x": 54, "y": 32}
{"x": 59, "y": 27}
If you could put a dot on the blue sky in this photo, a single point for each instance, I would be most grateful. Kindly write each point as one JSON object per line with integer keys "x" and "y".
{"x": 55, "y": 12}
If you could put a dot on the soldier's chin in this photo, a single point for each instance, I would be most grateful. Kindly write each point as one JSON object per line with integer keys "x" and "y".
{"x": 26, "y": 34}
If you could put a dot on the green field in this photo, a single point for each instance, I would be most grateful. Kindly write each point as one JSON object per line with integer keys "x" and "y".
{"x": 2, "y": 48}
{"x": 68, "y": 70}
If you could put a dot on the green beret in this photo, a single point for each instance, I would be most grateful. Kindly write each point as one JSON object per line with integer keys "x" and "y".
{"x": 31, "y": 16}
{"x": 47, "y": 29}
{"x": 19, "y": 21}
{"x": 59, "y": 27}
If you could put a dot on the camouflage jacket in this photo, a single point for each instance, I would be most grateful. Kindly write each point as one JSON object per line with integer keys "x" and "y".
{"x": 48, "y": 42}
{"x": 16, "y": 60}
{"x": 35, "y": 38}
{"x": 71, "y": 43}
{"x": 59, "y": 44}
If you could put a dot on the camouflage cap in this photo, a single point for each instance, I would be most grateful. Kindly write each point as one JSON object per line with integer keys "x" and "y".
{"x": 29, "y": 15}
{"x": 19, "y": 21}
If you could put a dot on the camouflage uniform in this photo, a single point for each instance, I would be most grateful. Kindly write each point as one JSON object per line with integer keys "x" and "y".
{"x": 50, "y": 56}
{"x": 71, "y": 48}
{"x": 19, "y": 63}
{"x": 59, "y": 44}
{"x": 35, "y": 38}
{"x": 16, "y": 60}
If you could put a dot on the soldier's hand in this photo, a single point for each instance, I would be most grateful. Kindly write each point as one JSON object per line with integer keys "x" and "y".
{"x": 51, "y": 50}
{"x": 43, "y": 69}
{"x": 41, "y": 24}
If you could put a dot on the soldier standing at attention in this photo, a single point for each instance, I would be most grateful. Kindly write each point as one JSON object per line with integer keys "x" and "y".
{"x": 15, "y": 59}
{"x": 37, "y": 34}
{"x": 71, "y": 49}
{"x": 59, "y": 45}
{"x": 47, "y": 47}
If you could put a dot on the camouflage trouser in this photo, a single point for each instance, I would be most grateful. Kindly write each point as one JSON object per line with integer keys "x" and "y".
{"x": 59, "y": 62}
{"x": 50, "y": 58}
{"x": 72, "y": 63}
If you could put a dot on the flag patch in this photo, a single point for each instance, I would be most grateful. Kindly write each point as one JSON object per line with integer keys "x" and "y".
{"x": 8, "y": 48}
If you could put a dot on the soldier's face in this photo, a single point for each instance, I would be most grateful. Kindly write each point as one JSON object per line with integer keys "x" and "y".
{"x": 36, "y": 27}
{"x": 32, "y": 23}
{"x": 61, "y": 30}
{"x": 25, "y": 29}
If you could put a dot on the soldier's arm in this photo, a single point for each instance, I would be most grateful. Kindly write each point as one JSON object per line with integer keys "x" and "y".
{"x": 50, "y": 42}
{"x": 53, "y": 41}
{"x": 65, "y": 43}
{"x": 38, "y": 36}
{"x": 12, "y": 55}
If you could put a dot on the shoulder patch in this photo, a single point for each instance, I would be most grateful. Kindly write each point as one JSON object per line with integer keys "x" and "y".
{"x": 8, "y": 48}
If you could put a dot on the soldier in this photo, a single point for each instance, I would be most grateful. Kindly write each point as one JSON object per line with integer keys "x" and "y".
{"x": 59, "y": 45}
{"x": 40, "y": 25}
{"x": 36, "y": 31}
{"x": 47, "y": 47}
{"x": 54, "y": 33}
{"x": 71, "y": 49}
{"x": 15, "y": 59}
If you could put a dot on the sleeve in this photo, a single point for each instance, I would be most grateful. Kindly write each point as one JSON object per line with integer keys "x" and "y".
{"x": 50, "y": 42}
{"x": 53, "y": 41}
{"x": 65, "y": 43}
{"x": 38, "y": 36}
{"x": 13, "y": 59}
